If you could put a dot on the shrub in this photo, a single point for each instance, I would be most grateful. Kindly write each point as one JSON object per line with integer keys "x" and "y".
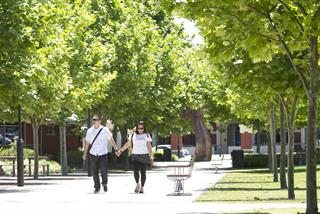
{"x": 158, "y": 156}
{"x": 261, "y": 160}
{"x": 12, "y": 151}
{"x": 174, "y": 157}
{"x": 255, "y": 160}
{"x": 75, "y": 159}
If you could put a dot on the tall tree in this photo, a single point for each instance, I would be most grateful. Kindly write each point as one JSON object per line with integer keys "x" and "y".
{"x": 265, "y": 28}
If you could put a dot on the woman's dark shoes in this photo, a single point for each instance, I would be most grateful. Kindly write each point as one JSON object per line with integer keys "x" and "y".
{"x": 96, "y": 191}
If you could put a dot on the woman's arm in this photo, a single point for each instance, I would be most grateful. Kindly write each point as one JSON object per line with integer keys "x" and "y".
{"x": 149, "y": 148}
{"x": 125, "y": 146}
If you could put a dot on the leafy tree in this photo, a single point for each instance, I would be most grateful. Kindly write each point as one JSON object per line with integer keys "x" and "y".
{"x": 265, "y": 28}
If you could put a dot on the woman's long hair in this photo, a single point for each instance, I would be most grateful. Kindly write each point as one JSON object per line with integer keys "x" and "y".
{"x": 141, "y": 123}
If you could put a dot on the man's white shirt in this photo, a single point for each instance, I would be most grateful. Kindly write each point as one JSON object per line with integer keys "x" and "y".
{"x": 100, "y": 146}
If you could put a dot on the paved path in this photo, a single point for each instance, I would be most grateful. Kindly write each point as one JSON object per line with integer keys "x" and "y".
{"x": 73, "y": 194}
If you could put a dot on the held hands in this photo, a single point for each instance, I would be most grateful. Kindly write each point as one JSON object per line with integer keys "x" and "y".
{"x": 118, "y": 153}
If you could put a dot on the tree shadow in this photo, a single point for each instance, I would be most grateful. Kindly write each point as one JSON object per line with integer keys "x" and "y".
{"x": 242, "y": 189}
{"x": 13, "y": 191}
{"x": 243, "y": 182}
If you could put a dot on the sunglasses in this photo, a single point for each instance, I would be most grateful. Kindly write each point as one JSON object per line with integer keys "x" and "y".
{"x": 139, "y": 128}
{"x": 94, "y": 119}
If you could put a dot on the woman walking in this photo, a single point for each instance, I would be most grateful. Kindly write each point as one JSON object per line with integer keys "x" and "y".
{"x": 140, "y": 141}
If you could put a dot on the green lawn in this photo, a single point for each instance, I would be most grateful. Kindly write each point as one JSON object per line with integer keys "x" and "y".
{"x": 273, "y": 211}
{"x": 255, "y": 186}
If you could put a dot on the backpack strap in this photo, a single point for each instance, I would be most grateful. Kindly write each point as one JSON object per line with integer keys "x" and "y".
{"x": 91, "y": 144}
{"x": 132, "y": 138}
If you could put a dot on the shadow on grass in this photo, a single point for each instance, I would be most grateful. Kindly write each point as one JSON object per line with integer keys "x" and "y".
{"x": 249, "y": 188}
{"x": 265, "y": 170}
{"x": 243, "y": 189}
{"x": 243, "y": 182}
{"x": 255, "y": 199}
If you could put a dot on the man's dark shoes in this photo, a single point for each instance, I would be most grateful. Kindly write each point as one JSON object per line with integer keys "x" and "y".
{"x": 105, "y": 188}
{"x": 96, "y": 191}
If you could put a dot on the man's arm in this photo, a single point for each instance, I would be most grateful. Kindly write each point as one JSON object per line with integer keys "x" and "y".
{"x": 85, "y": 148}
{"x": 114, "y": 145}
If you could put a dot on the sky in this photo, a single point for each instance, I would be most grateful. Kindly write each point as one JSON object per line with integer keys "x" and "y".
{"x": 191, "y": 30}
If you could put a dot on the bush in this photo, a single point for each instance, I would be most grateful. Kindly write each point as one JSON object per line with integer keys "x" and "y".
{"x": 12, "y": 151}
{"x": 261, "y": 160}
{"x": 174, "y": 157}
{"x": 158, "y": 156}
{"x": 255, "y": 160}
{"x": 75, "y": 159}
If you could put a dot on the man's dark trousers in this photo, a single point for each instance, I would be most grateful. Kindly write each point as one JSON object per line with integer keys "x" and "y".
{"x": 99, "y": 163}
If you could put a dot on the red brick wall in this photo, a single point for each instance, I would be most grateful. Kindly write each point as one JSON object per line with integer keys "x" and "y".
{"x": 246, "y": 140}
{"x": 49, "y": 144}
{"x": 175, "y": 140}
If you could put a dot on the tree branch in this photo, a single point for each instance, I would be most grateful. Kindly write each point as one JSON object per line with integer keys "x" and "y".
{"x": 285, "y": 46}
{"x": 294, "y": 109}
{"x": 288, "y": 52}
{"x": 317, "y": 13}
{"x": 267, "y": 37}
{"x": 301, "y": 8}
{"x": 292, "y": 14}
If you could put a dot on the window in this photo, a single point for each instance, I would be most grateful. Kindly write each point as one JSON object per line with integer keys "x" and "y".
{"x": 51, "y": 130}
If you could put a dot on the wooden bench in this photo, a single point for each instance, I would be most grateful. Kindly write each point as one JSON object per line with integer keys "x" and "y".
{"x": 13, "y": 164}
{"x": 180, "y": 174}
{"x": 45, "y": 166}
{"x": 13, "y": 159}
{"x": 218, "y": 163}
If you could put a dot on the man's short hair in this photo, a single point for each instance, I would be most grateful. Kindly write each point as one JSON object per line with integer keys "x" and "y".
{"x": 97, "y": 116}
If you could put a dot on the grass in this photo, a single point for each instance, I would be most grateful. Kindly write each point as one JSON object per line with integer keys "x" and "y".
{"x": 255, "y": 186}
{"x": 274, "y": 211}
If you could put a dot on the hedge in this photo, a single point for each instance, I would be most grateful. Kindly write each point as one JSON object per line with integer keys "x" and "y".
{"x": 261, "y": 160}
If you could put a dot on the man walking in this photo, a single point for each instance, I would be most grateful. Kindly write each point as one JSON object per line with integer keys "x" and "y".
{"x": 96, "y": 146}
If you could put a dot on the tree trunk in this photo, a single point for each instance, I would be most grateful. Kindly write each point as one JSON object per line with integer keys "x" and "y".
{"x": 312, "y": 201}
{"x": 35, "y": 132}
{"x": 203, "y": 151}
{"x": 113, "y": 156}
{"x": 154, "y": 138}
{"x": 312, "y": 206}
{"x": 283, "y": 141}
{"x": 259, "y": 137}
{"x": 291, "y": 163}
{"x": 269, "y": 153}
{"x": 63, "y": 150}
{"x": 272, "y": 118}
{"x": 124, "y": 155}
{"x": 291, "y": 128}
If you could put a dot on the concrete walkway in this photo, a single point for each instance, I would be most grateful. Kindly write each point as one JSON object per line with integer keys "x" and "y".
{"x": 73, "y": 194}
